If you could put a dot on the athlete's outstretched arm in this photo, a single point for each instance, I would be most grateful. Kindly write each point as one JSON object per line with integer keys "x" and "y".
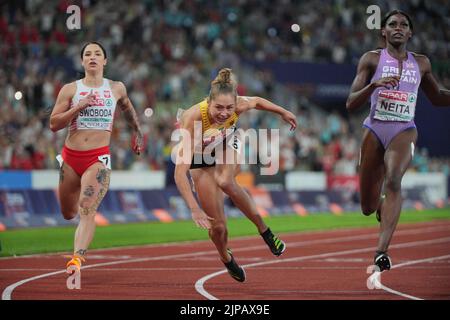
{"x": 258, "y": 103}
{"x": 131, "y": 117}
{"x": 360, "y": 91}
{"x": 62, "y": 114}
{"x": 438, "y": 97}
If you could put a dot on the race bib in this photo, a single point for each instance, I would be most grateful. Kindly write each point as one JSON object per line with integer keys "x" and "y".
{"x": 180, "y": 113}
{"x": 106, "y": 160}
{"x": 60, "y": 160}
{"x": 96, "y": 117}
{"x": 235, "y": 143}
{"x": 395, "y": 106}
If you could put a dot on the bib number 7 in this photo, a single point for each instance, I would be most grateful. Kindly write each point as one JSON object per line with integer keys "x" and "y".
{"x": 106, "y": 160}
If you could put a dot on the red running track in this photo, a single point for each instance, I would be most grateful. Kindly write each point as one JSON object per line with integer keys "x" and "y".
{"x": 316, "y": 265}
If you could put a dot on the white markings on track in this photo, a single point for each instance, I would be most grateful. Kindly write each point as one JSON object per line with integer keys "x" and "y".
{"x": 408, "y": 263}
{"x": 7, "y": 293}
{"x": 344, "y": 260}
{"x": 422, "y": 226}
{"x": 334, "y": 292}
{"x": 107, "y": 256}
{"x": 199, "y": 285}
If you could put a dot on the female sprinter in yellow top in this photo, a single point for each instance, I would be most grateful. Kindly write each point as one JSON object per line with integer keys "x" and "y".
{"x": 221, "y": 111}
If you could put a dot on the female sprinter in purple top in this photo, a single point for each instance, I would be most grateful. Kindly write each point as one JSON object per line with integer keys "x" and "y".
{"x": 391, "y": 78}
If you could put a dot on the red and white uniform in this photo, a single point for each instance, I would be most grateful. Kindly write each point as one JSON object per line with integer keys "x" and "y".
{"x": 99, "y": 116}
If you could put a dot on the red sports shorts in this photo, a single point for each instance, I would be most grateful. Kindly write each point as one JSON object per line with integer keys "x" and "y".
{"x": 80, "y": 161}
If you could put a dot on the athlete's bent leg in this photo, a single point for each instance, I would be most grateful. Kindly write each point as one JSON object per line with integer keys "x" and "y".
{"x": 225, "y": 179}
{"x": 69, "y": 191}
{"x": 211, "y": 201}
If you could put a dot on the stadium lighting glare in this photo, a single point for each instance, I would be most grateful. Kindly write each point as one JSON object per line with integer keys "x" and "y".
{"x": 295, "y": 28}
{"x": 18, "y": 95}
{"x": 148, "y": 112}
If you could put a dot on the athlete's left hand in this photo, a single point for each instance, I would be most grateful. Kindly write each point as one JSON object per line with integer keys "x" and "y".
{"x": 137, "y": 143}
{"x": 290, "y": 118}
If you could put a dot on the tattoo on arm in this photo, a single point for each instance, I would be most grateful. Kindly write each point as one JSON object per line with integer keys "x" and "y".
{"x": 130, "y": 116}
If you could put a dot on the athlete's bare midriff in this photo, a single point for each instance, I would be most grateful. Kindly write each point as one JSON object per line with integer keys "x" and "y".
{"x": 83, "y": 140}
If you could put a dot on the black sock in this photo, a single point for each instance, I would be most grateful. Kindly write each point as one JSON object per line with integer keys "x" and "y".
{"x": 266, "y": 233}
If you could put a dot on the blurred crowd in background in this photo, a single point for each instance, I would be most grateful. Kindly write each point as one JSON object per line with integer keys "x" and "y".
{"x": 167, "y": 52}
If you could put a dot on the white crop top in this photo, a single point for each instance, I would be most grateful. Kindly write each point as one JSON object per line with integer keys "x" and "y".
{"x": 99, "y": 116}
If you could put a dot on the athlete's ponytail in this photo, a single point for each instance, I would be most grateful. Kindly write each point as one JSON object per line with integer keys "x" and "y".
{"x": 224, "y": 83}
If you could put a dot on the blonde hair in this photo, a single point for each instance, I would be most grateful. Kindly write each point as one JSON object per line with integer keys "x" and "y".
{"x": 224, "y": 83}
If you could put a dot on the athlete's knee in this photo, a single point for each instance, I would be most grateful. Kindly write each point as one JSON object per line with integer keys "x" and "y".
{"x": 227, "y": 185}
{"x": 68, "y": 210}
{"x": 368, "y": 209}
{"x": 394, "y": 182}
{"x": 218, "y": 229}
{"x": 87, "y": 207}
{"x": 69, "y": 213}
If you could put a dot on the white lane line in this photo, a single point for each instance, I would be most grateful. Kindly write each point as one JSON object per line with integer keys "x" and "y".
{"x": 124, "y": 269}
{"x": 334, "y": 292}
{"x": 291, "y": 244}
{"x": 408, "y": 263}
{"x": 413, "y": 228}
{"x": 346, "y": 238}
{"x": 440, "y": 267}
{"x": 199, "y": 285}
{"x": 6, "y": 295}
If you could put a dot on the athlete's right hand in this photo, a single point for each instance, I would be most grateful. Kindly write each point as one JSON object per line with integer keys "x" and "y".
{"x": 86, "y": 102}
{"x": 387, "y": 82}
{"x": 201, "y": 219}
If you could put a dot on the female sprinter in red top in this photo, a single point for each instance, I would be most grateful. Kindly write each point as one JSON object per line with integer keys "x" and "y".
{"x": 87, "y": 106}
